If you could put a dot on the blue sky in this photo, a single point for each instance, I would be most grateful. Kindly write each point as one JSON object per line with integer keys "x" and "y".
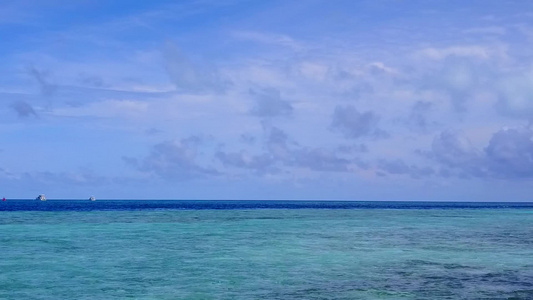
{"x": 354, "y": 100}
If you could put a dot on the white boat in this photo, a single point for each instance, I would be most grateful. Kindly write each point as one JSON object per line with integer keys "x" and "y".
{"x": 92, "y": 198}
{"x": 41, "y": 198}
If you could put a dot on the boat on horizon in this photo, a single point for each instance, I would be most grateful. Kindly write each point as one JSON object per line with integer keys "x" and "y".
{"x": 41, "y": 197}
{"x": 92, "y": 198}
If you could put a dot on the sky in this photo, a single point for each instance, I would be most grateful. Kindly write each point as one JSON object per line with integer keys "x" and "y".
{"x": 242, "y": 99}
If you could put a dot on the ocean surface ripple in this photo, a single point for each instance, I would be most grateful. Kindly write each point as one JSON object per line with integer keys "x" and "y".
{"x": 265, "y": 250}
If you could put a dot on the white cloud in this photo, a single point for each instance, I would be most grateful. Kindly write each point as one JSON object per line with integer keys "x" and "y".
{"x": 516, "y": 95}
{"x": 268, "y": 38}
{"x": 105, "y": 109}
{"x": 479, "y": 52}
{"x": 190, "y": 76}
{"x": 488, "y": 30}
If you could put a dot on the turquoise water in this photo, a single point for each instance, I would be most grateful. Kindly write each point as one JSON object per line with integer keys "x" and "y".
{"x": 267, "y": 254}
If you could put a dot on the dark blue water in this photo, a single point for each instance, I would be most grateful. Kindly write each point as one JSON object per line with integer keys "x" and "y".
{"x": 126, "y": 205}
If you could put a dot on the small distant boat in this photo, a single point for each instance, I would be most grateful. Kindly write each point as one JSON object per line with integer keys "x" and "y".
{"x": 41, "y": 198}
{"x": 92, "y": 198}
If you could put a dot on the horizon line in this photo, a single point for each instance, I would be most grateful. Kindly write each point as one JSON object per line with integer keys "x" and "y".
{"x": 295, "y": 200}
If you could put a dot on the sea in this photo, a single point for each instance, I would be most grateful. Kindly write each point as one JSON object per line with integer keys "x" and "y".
{"x": 169, "y": 249}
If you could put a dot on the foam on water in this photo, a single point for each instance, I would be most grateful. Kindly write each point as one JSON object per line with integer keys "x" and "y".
{"x": 438, "y": 253}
